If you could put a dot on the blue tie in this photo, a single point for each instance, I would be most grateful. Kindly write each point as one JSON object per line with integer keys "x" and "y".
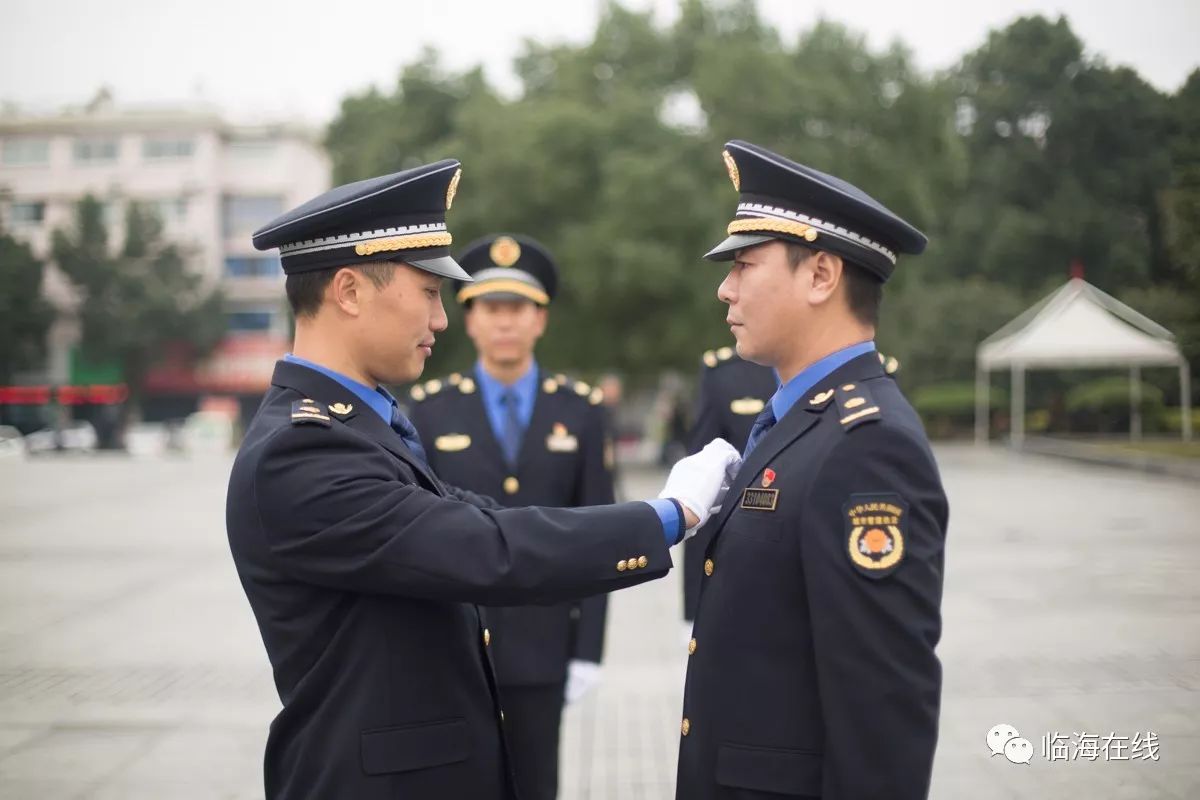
{"x": 408, "y": 433}
{"x": 762, "y": 423}
{"x": 510, "y": 436}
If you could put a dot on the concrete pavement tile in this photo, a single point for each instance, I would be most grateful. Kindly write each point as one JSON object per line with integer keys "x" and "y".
{"x": 87, "y": 755}
{"x": 20, "y": 789}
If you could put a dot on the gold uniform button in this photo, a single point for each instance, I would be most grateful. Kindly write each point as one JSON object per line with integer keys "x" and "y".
{"x": 511, "y": 485}
{"x": 622, "y": 565}
{"x": 633, "y": 562}
{"x": 692, "y": 647}
{"x": 487, "y": 637}
{"x": 643, "y": 562}
{"x": 685, "y": 726}
{"x": 708, "y": 566}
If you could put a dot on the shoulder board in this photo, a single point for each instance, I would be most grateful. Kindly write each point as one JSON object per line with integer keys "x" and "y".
{"x": 308, "y": 412}
{"x": 855, "y": 405}
{"x": 454, "y": 383}
{"x": 553, "y": 384}
{"x": 890, "y": 364}
{"x": 715, "y": 358}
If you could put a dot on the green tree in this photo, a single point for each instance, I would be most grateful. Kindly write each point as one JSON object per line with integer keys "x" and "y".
{"x": 138, "y": 300}
{"x": 1181, "y": 199}
{"x": 25, "y": 315}
{"x": 1065, "y": 163}
{"x": 377, "y": 133}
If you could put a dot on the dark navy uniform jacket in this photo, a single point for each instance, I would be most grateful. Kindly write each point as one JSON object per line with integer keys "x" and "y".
{"x": 730, "y": 394}
{"x": 812, "y": 670}
{"x": 562, "y": 462}
{"x": 363, "y": 571}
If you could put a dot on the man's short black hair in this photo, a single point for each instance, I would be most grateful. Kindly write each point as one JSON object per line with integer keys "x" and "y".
{"x": 305, "y": 290}
{"x": 864, "y": 292}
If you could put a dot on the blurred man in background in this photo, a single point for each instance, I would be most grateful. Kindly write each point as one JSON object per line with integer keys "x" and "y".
{"x": 510, "y": 430}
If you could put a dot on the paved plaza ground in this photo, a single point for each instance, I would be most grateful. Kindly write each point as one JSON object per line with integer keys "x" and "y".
{"x": 130, "y": 666}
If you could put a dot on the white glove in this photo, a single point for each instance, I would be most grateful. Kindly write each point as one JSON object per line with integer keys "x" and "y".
{"x": 700, "y": 481}
{"x": 582, "y": 677}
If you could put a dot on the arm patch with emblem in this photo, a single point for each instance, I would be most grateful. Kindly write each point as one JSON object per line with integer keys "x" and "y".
{"x": 875, "y": 529}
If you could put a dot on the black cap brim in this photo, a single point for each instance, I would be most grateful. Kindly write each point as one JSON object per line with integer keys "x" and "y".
{"x": 727, "y": 250}
{"x": 444, "y": 266}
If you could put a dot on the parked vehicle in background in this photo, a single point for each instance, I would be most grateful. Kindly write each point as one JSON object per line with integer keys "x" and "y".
{"x": 79, "y": 437}
{"x": 12, "y": 444}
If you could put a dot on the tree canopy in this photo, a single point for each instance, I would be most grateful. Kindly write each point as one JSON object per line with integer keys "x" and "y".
{"x": 1027, "y": 156}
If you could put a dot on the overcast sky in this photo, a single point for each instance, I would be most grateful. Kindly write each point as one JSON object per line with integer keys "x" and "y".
{"x": 270, "y": 58}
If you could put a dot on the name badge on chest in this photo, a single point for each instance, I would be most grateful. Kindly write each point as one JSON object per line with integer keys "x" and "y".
{"x": 755, "y": 499}
{"x": 560, "y": 441}
{"x": 452, "y": 442}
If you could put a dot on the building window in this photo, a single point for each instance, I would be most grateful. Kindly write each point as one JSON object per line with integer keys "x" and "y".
{"x": 245, "y": 214}
{"x": 170, "y": 210}
{"x": 26, "y": 214}
{"x": 249, "y": 321}
{"x": 253, "y": 267}
{"x": 163, "y": 147}
{"x": 95, "y": 151}
{"x": 25, "y": 152}
{"x": 252, "y": 148}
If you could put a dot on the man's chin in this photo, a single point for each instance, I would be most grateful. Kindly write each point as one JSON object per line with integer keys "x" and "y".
{"x": 406, "y": 373}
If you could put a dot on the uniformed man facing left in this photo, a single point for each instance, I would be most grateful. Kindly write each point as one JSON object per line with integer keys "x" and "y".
{"x": 361, "y": 567}
{"x": 812, "y": 669}
{"x": 512, "y": 431}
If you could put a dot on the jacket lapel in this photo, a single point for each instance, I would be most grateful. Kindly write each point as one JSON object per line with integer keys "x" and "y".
{"x": 316, "y": 386}
{"x": 798, "y": 421}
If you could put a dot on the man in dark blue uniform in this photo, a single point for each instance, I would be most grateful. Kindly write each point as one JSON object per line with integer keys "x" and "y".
{"x": 362, "y": 568}
{"x": 512, "y": 431}
{"x": 811, "y": 671}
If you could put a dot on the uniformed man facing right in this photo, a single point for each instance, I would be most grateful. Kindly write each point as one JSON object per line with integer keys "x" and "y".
{"x": 812, "y": 670}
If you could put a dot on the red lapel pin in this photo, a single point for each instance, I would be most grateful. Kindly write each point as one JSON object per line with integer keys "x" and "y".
{"x": 768, "y": 477}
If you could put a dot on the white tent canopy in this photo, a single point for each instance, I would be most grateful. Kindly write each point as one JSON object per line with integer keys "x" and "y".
{"x": 1078, "y": 326}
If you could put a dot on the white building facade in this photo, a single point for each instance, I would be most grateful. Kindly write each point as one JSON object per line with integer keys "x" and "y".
{"x": 211, "y": 182}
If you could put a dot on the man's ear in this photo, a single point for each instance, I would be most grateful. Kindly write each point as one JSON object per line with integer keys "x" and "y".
{"x": 827, "y": 271}
{"x": 344, "y": 291}
{"x": 543, "y": 317}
